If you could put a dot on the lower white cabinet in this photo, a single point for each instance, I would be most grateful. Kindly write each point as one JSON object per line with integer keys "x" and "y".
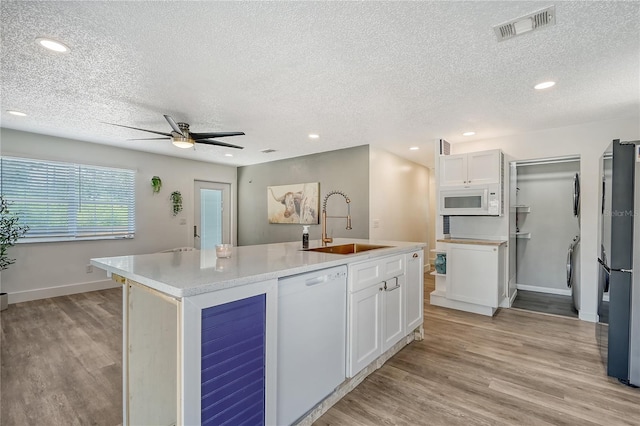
{"x": 365, "y": 341}
{"x": 376, "y": 310}
{"x": 414, "y": 290}
{"x": 474, "y": 274}
{"x": 392, "y": 311}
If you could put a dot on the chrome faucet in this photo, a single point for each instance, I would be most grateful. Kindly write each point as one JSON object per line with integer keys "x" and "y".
{"x": 326, "y": 239}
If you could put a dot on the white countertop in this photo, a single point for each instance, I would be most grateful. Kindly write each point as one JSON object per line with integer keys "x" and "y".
{"x": 187, "y": 273}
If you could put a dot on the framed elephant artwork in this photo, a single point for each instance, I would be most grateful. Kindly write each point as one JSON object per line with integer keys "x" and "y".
{"x": 297, "y": 203}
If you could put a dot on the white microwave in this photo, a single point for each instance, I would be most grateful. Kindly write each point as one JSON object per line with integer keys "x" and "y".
{"x": 479, "y": 200}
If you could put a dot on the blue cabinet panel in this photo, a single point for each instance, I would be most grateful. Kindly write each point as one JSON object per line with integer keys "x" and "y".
{"x": 233, "y": 363}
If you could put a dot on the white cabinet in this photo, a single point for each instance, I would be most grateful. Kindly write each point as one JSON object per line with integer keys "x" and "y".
{"x": 414, "y": 290}
{"x": 475, "y": 273}
{"x": 392, "y": 311}
{"x": 376, "y": 309}
{"x": 364, "y": 328}
{"x": 475, "y": 168}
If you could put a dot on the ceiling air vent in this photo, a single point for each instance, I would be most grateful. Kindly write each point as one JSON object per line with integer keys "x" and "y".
{"x": 525, "y": 24}
{"x": 268, "y": 151}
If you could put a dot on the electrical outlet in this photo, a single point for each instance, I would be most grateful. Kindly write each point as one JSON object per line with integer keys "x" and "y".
{"x": 183, "y": 221}
{"x": 376, "y": 223}
{"x": 89, "y": 269}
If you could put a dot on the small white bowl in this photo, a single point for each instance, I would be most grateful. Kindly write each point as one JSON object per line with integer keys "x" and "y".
{"x": 223, "y": 250}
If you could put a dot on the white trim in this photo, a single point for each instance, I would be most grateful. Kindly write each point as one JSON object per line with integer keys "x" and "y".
{"x": 547, "y": 290}
{"x": 439, "y": 298}
{"x": 44, "y": 293}
{"x": 588, "y": 316}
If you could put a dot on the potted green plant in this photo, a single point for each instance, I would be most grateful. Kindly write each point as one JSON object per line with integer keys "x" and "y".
{"x": 10, "y": 231}
{"x": 156, "y": 183}
{"x": 176, "y": 202}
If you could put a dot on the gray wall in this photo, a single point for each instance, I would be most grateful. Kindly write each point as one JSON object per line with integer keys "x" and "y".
{"x": 346, "y": 170}
{"x": 548, "y": 189}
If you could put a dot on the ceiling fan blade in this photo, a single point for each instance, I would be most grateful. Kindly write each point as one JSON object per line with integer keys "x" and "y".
{"x": 137, "y": 128}
{"x": 197, "y": 136}
{"x": 148, "y": 139}
{"x": 173, "y": 125}
{"x": 212, "y": 142}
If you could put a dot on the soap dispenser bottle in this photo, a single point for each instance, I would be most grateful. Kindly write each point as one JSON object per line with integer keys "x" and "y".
{"x": 305, "y": 237}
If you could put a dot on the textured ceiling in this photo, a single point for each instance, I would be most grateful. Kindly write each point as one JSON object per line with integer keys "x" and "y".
{"x": 388, "y": 74}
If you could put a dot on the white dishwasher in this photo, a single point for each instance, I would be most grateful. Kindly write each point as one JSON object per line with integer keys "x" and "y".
{"x": 312, "y": 326}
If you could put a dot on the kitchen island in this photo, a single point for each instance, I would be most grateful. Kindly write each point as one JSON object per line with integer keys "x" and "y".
{"x": 200, "y": 333}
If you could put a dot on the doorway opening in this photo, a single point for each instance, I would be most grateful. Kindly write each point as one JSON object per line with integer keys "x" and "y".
{"x": 212, "y": 214}
{"x": 547, "y": 231}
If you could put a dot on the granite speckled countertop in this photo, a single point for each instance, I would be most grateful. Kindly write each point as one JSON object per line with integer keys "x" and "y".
{"x": 187, "y": 273}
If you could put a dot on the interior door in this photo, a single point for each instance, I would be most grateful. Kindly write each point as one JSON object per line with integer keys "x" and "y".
{"x": 212, "y": 217}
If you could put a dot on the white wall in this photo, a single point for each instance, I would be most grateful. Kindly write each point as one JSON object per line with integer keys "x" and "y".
{"x": 53, "y": 269}
{"x": 588, "y": 141}
{"x": 398, "y": 199}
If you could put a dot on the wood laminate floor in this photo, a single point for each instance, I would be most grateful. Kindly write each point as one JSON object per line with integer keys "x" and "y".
{"x": 555, "y": 304}
{"x": 61, "y": 361}
{"x": 61, "y": 365}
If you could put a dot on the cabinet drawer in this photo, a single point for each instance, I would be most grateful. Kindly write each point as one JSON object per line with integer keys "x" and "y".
{"x": 371, "y": 272}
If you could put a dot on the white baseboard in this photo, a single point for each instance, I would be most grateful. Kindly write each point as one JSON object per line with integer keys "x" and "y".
{"x": 588, "y": 316}
{"x": 548, "y": 290}
{"x": 43, "y": 293}
{"x": 439, "y": 298}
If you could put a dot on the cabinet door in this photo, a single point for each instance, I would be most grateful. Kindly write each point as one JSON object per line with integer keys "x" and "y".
{"x": 483, "y": 167}
{"x": 472, "y": 274}
{"x": 453, "y": 170}
{"x": 414, "y": 294}
{"x": 393, "y": 312}
{"x": 364, "y": 328}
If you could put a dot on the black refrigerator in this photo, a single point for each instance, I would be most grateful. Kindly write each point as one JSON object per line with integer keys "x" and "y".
{"x": 618, "y": 328}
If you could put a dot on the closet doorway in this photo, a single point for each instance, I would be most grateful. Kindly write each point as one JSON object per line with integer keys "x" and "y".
{"x": 547, "y": 220}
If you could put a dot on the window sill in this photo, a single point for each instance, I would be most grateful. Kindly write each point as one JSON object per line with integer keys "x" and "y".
{"x": 71, "y": 239}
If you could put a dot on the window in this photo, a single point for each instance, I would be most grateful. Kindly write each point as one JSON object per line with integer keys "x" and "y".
{"x": 64, "y": 201}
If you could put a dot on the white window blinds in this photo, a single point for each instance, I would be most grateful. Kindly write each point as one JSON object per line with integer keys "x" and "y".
{"x": 64, "y": 201}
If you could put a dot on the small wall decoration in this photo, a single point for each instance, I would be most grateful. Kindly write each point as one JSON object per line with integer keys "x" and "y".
{"x": 176, "y": 202}
{"x": 156, "y": 183}
{"x": 296, "y": 203}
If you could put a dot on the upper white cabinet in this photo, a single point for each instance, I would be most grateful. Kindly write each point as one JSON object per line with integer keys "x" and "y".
{"x": 474, "y": 168}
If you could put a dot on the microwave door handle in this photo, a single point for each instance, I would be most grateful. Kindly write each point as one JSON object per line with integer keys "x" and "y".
{"x": 485, "y": 200}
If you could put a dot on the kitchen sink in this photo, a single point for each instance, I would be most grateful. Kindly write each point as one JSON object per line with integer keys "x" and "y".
{"x": 348, "y": 248}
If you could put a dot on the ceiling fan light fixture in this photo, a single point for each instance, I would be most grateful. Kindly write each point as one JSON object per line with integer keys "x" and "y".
{"x": 51, "y": 44}
{"x": 544, "y": 85}
{"x": 182, "y": 142}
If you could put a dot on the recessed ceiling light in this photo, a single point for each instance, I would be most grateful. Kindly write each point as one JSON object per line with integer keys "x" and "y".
{"x": 544, "y": 85}
{"x": 54, "y": 45}
{"x": 228, "y": 155}
{"x": 414, "y": 148}
{"x": 18, "y": 113}
{"x": 468, "y": 133}
{"x": 313, "y": 136}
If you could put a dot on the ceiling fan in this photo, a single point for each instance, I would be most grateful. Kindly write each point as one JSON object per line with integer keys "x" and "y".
{"x": 183, "y": 138}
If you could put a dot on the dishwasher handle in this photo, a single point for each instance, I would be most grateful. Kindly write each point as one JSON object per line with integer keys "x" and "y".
{"x": 316, "y": 280}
